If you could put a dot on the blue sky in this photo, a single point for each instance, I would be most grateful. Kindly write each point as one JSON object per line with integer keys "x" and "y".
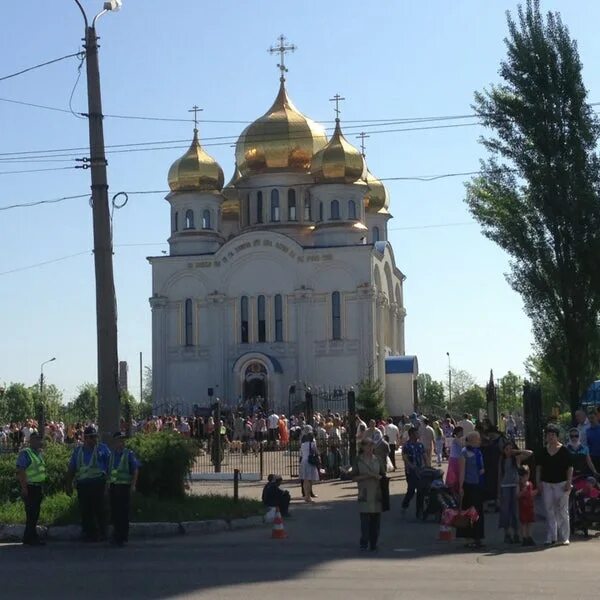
{"x": 391, "y": 60}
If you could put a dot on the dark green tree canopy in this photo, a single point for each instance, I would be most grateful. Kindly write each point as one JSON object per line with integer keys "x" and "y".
{"x": 537, "y": 195}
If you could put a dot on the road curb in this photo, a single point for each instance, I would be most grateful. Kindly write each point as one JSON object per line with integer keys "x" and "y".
{"x": 69, "y": 533}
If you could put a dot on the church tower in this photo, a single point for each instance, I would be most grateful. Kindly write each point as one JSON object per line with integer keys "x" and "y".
{"x": 195, "y": 181}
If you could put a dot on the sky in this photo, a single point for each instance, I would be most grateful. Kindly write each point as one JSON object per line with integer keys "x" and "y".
{"x": 390, "y": 60}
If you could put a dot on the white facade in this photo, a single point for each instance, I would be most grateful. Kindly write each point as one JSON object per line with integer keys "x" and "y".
{"x": 293, "y": 289}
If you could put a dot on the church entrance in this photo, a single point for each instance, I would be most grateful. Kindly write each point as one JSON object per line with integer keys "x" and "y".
{"x": 255, "y": 387}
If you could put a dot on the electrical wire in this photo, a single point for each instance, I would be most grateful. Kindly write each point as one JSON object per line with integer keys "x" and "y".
{"x": 39, "y": 202}
{"x": 78, "y": 116}
{"x": 44, "y": 64}
{"x": 46, "y": 262}
{"x": 35, "y": 170}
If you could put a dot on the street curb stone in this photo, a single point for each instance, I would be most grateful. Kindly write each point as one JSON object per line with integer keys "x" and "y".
{"x": 70, "y": 533}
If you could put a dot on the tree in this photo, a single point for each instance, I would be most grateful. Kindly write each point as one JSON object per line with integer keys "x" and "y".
{"x": 147, "y": 385}
{"x": 54, "y": 409}
{"x": 470, "y": 401}
{"x": 539, "y": 373}
{"x": 370, "y": 400}
{"x": 510, "y": 393}
{"x": 461, "y": 382}
{"x": 17, "y": 403}
{"x": 85, "y": 406}
{"x": 537, "y": 194}
{"x": 431, "y": 394}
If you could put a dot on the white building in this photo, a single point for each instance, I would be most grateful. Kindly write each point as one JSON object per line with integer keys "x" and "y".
{"x": 284, "y": 275}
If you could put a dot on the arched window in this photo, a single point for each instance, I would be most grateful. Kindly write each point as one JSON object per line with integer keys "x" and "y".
{"x": 335, "y": 209}
{"x": 375, "y": 234}
{"x": 274, "y": 205}
{"x": 176, "y": 222}
{"x": 292, "y": 205}
{"x": 336, "y": 316}
{"x": 307, "y": 207}
{"x": 189, "y": 323}
{"x": 320, "y": 211}
{"x": 259, "y": 207}
{"x": 189, "y": 219}
{"x": 206, "y": 219}
{"x": 352, "y": 209}
{"x": 278, "y": 318}
{"x": 244, "y": 318}
{"x": 248, "y": 210}
{"x": 262, "y": 323}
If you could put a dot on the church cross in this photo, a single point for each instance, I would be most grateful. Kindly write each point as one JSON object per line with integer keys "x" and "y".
{"x": 195, "y": 110}
{"x": 282, "y": 49}
{"x": 362, "y": 135}
{"x": 337, "y": 99}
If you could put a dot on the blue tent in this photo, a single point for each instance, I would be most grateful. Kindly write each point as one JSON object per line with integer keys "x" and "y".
{"x": 592, "y": 396}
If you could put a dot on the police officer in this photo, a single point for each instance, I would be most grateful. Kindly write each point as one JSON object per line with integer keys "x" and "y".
{"x": 31, "y": 473}
{"x": 123, "y": 474}
{"x": 89, "y": 468}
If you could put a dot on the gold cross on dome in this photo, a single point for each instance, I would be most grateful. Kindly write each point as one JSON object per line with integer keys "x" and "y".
{"x": 362, "y": 135}
{"x": 195, "y": 110}
{"x": 282, "y": 49}
{"x": 337, "y": 99}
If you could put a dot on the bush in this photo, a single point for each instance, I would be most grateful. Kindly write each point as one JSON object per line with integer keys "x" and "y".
{"x": 56, "y": 457}
{"x": 165, "y": 462}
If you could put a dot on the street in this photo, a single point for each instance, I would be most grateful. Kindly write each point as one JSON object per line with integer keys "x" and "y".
{"x": 320, "y": 558}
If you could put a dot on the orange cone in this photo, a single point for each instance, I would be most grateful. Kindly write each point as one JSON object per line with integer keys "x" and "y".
{"x": 446, "y": 534}
{"x": 278, "y": 532}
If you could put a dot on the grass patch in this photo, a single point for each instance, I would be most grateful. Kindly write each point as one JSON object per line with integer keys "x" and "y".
{"x": 61, "y": 509}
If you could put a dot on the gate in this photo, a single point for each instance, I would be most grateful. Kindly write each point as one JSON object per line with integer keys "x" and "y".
{"x": 532, "y": 414}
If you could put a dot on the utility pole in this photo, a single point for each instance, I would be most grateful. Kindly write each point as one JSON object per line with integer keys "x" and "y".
{"x": 141, "y": 380}
{"x": 449, "y": 382}
{"x": 106, "y": 304}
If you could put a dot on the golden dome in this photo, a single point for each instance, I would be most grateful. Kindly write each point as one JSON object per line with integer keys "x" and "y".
{"x": 377, "y": 199}
{"x": 283, "y": 139}
{"x": 231, "y": 205}
{"x": 339, "y": 161}
{"x": 195, "y": 171}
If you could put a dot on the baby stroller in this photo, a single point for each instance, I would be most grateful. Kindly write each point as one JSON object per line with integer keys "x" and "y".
{"x": 437, "y": 497}
{"x": 584, "y": 505}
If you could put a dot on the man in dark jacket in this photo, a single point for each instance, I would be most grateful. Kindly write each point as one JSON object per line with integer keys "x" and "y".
{"x": 274, "y": 496}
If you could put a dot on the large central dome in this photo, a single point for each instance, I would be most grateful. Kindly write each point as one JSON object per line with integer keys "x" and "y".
{"x": 283, "y": 139}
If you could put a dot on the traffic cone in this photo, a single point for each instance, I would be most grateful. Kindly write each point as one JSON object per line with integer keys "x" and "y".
{"x": 278, "y": 531}
{"x": 445, "y": 534}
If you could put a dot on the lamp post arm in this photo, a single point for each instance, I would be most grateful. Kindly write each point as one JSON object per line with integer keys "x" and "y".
{"x": 103, "y": 12}
{"x": 83, "y": 13}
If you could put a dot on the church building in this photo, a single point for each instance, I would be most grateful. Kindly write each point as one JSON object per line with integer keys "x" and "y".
{"x": 283, "y": 277}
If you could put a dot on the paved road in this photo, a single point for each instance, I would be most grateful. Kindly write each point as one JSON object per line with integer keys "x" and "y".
{"x": 319, "y": 559}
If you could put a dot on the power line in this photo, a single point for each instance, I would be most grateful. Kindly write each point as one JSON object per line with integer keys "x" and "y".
{"x": 44, "y": 64}
{"x": 39, "y": 202}
{"x": 35, "y": 170}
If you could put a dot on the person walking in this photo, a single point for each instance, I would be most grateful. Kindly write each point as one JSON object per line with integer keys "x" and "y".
{"x": 31, "y": 473}
{"x": 471, "y": 489}
{"x": 438, "y": 442}
{"x": 393, "y": 438}
{"x": 427, "y": 438}
{"x": 554, "y": 477}
{"x": 367, "y": 472}
{"x": 309, "y": 463}
{"x": 88, "y": 467}
{"x": 123, "y": 474}
{"x": 415, "y": 459}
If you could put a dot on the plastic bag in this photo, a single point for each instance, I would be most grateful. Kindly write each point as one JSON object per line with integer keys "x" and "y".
{"x": 271, "y": 513}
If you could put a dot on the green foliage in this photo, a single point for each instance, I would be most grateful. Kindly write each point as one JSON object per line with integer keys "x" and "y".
{"x": 540, "y": 374}
{"x": 17, "y": 403}
{"x": 510, "y": 394}
{"x": 166, "y": 459}
{"x": 56, "y": 457}
{"x": 470, "y": 401}
{"x": 431, "y": 395}
{"x": 370, "y": 401}
{"x": 61, "y": 509}
{"x": 147, "y": 386}
{"x": 54, "y": 409}
{"x": 538, "y": 194}
{"x": 85, "y": 406}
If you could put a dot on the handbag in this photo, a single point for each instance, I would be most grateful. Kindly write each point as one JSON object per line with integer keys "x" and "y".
{"x": 313, "y": 458}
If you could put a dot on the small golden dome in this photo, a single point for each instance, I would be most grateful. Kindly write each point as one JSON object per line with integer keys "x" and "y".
{"x": 377, "y": 199}
{"x": 231, "y": 205}
{"x": 195, "y": 171}
{"x": 339, "y": 161}
{"x": 283, "y": 139}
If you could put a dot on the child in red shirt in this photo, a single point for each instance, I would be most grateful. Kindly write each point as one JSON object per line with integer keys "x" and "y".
{"x": 526, "y": 508}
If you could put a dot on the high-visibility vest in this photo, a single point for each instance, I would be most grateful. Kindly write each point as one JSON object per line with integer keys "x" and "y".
{"x": 91, "y": 470}
{"x": 120, "y": 474}
{"x": 36, "y": 471}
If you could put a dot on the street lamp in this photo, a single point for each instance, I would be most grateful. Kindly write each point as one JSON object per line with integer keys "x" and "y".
{"x": 106, "y": 304}
{"x": 40, "y": 415}
{"x": 449, "y": 381}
